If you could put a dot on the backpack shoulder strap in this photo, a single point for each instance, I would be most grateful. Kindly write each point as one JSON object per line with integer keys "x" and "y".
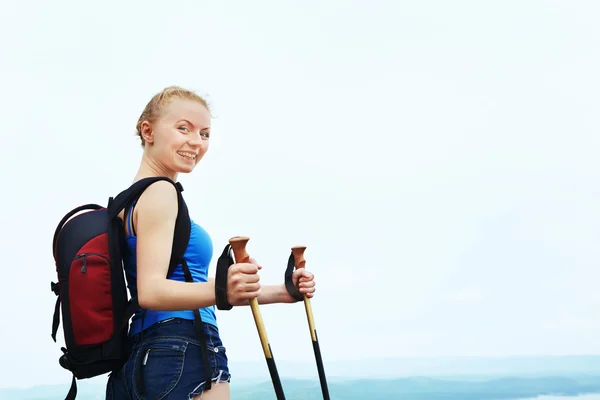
{"x": 181, "y": 236}
{"x": 132, "y": 193}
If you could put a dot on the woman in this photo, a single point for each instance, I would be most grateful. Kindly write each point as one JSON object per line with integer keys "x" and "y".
{"x": 165, "y": 360}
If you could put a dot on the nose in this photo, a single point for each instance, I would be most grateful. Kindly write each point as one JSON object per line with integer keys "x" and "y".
{"x": 195, "y": 140}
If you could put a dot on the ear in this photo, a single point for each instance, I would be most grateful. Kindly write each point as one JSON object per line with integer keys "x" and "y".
{"x": 146, "y": 131}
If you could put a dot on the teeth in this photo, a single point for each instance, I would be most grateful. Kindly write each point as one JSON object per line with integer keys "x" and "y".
{"x": 191, "y": 156}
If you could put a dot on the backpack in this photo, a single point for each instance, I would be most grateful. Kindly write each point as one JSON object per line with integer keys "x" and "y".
{"x": 91, "y": 290}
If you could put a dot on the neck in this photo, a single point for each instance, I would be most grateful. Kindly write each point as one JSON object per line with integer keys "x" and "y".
{"x": 149, "y": 168}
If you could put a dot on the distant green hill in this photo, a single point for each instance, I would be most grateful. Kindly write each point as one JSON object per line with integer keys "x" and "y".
{"x": 373, "y": 389}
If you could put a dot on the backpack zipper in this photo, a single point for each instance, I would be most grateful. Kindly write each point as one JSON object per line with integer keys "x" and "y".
{"x": 85, "y": 256}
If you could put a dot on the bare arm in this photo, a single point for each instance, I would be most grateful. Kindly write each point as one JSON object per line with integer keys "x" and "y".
{"x": 273, "y": 294}
{"x": 155, "y": 223}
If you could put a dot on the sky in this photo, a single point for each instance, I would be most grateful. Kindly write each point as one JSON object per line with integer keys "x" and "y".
{"x": 438, "y": 159}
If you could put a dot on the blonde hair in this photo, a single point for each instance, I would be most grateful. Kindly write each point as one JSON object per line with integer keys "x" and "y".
{"x": 160, "y": 100}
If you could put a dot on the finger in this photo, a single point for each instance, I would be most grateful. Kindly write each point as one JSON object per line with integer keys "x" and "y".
{"x": 251, "y": 287}
{"x": 253, "y": 261}
{"x": 251, "y": 278}
{"x": 308, "y": 284}
{"x": 305, "y": 281}
{"x": 297, "y": 273}
{"x": 303, "y": 274}
{"x": 250, "y": 295}
{"x": 248, "y": 268}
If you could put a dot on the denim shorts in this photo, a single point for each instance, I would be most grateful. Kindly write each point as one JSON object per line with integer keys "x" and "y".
{"x": 165, "y": 362}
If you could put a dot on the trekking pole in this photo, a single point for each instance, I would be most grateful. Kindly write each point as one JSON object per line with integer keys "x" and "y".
{"x": 300, "y": 262}
{"x": 238, "y": 245}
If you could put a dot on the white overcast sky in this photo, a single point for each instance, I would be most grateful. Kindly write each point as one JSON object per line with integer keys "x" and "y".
{"x": 439, "y": 159}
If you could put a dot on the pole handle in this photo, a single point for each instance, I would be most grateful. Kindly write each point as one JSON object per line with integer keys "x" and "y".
{"x": 298, "y": 252}
{"x": 238, "y": 245}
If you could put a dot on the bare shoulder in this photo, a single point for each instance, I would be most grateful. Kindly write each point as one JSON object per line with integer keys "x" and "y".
{"x": 158, "y": 202}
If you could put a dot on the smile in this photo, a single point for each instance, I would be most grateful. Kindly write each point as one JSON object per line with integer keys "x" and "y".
{"x": 189, "y": 156}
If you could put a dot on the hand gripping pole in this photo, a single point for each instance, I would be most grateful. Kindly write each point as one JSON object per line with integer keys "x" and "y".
{"x": 238, "y": 245}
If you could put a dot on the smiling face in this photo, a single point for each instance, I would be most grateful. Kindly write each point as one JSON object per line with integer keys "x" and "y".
{"x": 175, "y": 134}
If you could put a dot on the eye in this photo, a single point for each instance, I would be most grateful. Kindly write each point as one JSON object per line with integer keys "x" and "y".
{"x": 183, "y": 128}
{"x": 205, "y": 134}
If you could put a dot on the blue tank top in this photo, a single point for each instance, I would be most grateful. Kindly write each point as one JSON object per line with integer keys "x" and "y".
{"x": 198, "y": 255}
